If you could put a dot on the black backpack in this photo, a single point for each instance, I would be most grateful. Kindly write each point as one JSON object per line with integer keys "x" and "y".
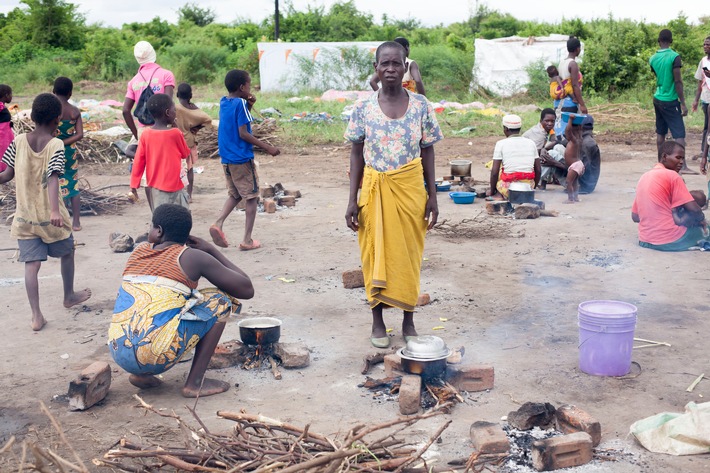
{"x": 141, "y": 112}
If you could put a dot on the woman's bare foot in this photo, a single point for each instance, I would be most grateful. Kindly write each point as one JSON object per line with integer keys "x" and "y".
{"x": 77, "y": 298}
{"x": 209, "y": 388}
{"x": 144, "y": 381}
{"x": 38, "y": 322}
{"x": 76, "y": 227}
{"x": 408, "y": 330}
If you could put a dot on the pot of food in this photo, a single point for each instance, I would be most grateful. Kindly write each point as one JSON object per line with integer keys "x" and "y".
{"x": 425, "y": 355}
{"x": 259, "y": 330}
{"x": 460, "y": 167}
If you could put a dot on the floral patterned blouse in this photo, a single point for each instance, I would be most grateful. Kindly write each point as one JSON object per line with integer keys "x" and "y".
{"x": 390, "y": 143}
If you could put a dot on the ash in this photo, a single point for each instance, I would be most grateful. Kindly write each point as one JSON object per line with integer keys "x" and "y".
{"x": 521, "y": 441}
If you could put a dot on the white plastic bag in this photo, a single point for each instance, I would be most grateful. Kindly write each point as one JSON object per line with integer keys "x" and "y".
{"x": 674, "y": 433}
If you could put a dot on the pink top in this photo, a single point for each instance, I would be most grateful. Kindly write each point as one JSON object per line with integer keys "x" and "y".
{"x": 658, "y": 192}
{"x": 162, "y": 78}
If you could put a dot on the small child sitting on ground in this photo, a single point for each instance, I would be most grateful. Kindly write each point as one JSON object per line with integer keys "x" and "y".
{"x": 160, "y": 152}
{"x": 160, "y": 315}
{"x": 190, "y": 119}
{"x": 71, "y": 130}
{"x": 559, "y": 88}
{"x": 575, "y": 166}
{"x": 41, "y": 223}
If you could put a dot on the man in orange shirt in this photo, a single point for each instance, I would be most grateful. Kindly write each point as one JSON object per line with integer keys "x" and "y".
{"x": 160, "y": 151}
{"x": 659, "y": 193}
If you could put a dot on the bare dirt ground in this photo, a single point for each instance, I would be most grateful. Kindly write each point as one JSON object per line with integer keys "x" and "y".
{"x": 511, "y": 300}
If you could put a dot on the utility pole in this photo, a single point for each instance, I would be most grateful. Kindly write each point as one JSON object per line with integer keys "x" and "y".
{"x": 276, "y": 21}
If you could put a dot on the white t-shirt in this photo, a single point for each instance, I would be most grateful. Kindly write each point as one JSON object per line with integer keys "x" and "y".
{"x": 700, "y": 75}
{"x": 517, "y": 153}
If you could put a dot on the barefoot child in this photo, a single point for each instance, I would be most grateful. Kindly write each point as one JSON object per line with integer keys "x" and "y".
{"x": 190, "y": 119}
{"x": 159, "y": 313}
{"x": 160, "y": 153}
{"x": 236, "y": 147}
{"x": 41, "y": 223}
{"x": 575, "y": 166}
{"x": 6, "y": 133}
{"x": 71, "y": 130}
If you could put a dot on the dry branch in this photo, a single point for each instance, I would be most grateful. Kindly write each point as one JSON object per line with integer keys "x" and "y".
{"x": 261, "y": 444}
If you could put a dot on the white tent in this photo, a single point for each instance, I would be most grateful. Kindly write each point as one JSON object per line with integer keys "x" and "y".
{"x": 499, "y": 64}
{"x": 278, "y": 66}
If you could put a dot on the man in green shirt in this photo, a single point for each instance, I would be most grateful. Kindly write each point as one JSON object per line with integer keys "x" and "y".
{"x": 669, "y": 100}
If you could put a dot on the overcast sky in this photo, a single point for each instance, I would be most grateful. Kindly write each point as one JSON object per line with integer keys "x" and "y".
{"x": 118, "y": 12}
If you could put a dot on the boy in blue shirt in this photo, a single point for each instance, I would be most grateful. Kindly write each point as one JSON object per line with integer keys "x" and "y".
{"x": 236, "y": 148}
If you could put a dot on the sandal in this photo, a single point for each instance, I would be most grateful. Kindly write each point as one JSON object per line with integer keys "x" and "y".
{"x": 254, "y": 245}
{"x": 218, "y": 237}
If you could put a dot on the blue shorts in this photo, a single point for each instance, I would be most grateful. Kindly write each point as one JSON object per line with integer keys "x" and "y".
{"x": 669, "y": 117}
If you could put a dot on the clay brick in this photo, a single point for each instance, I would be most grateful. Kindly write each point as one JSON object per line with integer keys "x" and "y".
{"x": 90, "y": 387}
{"x": 287, "y": 201}
{"x": 120, "y": 242}
{"x": 562, "y": 452}
{"x": 293, "y": 355}
{"x": 489, "y": 437}
{"x": 269, "y": 206}
{"x": 423, "y": 299}
{"x": 227, "y": 354}
{"x": 353, "y": 279}
{"x": 524, "y": 211}
{"x": 501, "y": 207}
{"x": 481, "y": 192}
{"x": 471, "y": 378}
{"x": 296, "y": 194}
{"x": 539, "y": 203}
{"x": 410, "y": 392}
{"x": 571, "y": 419}
{"x": 456, "y": 356}
{"x": 266, "y": 191}
{"x": 532, "y": 414}
{"x": 393, "y": 365}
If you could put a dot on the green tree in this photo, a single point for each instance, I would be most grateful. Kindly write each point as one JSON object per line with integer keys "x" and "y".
{"x": 55, "y": 23}
{"x": 199, "y": 16}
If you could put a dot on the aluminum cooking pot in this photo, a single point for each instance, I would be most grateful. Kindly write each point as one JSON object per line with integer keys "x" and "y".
{"x": 426, "y": 368}
{"x": 460, "y": 167}
{"x": 259, "y": 330}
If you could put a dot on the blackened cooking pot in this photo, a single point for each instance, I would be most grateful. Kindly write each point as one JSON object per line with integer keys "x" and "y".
{"x": 521, "y": 197}
{"x": 259, "y": 330}
{"x": 426, "y": 368}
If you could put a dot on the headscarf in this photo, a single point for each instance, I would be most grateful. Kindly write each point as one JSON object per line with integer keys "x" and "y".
{"x": 144, "y": 52}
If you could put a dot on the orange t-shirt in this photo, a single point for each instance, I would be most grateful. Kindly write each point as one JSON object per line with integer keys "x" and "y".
{"x": 658, "y": 192}
{"x": 160, "y": 153}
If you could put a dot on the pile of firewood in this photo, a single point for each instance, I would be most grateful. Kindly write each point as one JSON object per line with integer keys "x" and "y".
{"x": 207, "y": 137}
{"x": 260, "y": 444}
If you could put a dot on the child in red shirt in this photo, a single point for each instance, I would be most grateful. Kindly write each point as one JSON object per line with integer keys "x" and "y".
{"x": 160, "y": 152}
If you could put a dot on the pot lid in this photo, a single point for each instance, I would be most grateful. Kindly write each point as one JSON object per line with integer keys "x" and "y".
{"x": 426, "y": 347}
{"x": 401, "y": 353}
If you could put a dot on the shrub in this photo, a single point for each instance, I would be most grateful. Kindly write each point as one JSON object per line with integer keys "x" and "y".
{"x": 344, "y": 69}
{"x": 539, "y": 84}
{"x": 194, "y": 63}
{"x": 445, "y": 71}
{"x": 108, "y": 56}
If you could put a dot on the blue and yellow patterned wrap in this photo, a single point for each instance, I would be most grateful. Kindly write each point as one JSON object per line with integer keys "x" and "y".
{"x": 157, "y": 320}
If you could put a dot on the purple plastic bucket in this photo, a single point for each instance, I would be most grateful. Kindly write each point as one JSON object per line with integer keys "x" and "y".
{"x": 606, "y": 337}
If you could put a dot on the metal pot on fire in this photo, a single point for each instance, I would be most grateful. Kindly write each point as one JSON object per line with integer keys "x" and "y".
{"x": 259, "y": 330}
{"x": 460, "y": 168}
{"x": 425, "y": 355}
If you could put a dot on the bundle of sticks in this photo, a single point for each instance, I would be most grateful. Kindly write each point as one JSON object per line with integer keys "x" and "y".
{"x": 261, "y": 444}
{"x": 207, "y": 137}
{"x": 90, "y": 148}
{"x": 479, "y": 226}
{"x": 93, "y": 201}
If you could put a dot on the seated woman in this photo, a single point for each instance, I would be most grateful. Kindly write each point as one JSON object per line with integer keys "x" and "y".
{"x": 660, "y": 193}
{"x": 160, "y": 315}
{"x": 515, "y": 159}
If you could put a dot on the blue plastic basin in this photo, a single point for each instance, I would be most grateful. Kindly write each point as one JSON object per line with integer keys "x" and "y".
{"x": 462, "y": 197}
{"x": 578, "y": 117}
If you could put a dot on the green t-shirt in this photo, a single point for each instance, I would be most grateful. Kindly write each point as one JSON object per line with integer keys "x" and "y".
{"x": 662, "y": 64}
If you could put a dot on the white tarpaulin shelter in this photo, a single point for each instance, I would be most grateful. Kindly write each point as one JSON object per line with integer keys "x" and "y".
{"x": 499, "y": 64}
{"x": 278, "y": 64}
